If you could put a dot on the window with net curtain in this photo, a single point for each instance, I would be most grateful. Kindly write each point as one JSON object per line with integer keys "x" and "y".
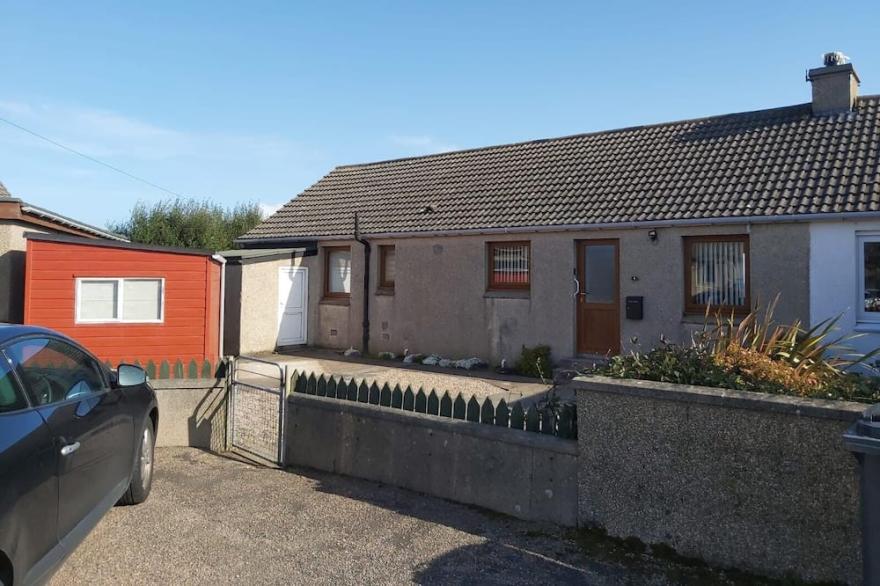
{"x": 509, "y": 265}
{"x": 337, "y": 273}
{"x": 717, "y": 273}
{"x": 120, "y": 299}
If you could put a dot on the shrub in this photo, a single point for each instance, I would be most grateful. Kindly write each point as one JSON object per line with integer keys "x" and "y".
{"x": 757, "y": 354}
{"x": 534, "y": 362}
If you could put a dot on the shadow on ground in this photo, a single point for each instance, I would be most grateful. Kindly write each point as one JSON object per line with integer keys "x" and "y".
{"x": 570, "y": 556}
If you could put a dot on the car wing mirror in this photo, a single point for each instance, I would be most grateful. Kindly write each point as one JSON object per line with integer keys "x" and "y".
{"x": 129, "y": 375}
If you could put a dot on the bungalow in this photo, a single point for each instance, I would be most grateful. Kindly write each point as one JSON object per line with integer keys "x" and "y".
{"x": 18, "y": 217}
{"x": 591, "y": 243}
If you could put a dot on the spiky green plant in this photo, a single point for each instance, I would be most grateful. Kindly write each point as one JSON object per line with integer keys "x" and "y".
{"x": 817, "y": 351}
{"x": 755, "y": 353}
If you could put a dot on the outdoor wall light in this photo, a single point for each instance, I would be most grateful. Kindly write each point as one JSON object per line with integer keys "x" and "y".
{"x": 652, "y": 235}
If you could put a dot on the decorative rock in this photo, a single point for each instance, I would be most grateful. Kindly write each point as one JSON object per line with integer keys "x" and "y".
{"x": 352, "y": 353}
{"x": 432, "y": 360}
{"x": 469, "y": 363}
{"x": 411, "y": 358}
{"x": 445, "y": 363}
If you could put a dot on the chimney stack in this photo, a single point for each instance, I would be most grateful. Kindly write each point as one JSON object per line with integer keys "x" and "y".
{"x": 835, "y": 86}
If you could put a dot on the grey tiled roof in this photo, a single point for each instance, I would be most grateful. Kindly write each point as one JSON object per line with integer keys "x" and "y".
{"x": 775, "y": 162}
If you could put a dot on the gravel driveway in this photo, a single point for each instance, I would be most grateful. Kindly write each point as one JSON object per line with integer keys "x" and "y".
{"x": 213, "y": 520}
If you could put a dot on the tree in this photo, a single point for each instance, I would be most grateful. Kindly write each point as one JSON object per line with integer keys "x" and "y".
{"x": 188, "y": 223}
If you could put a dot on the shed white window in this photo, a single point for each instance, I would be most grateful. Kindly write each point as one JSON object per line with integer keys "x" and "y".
{"x": 869, "y": 278}
{"x": 97, "y": 300}
{"x": 134, "y": 300}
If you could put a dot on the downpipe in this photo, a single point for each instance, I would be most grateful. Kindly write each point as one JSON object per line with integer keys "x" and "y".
{"x": 365, "y": 339}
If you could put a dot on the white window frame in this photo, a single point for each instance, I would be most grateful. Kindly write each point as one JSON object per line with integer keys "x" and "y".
{"x": 863, "y": 316}
{"x": 119, "y": 300}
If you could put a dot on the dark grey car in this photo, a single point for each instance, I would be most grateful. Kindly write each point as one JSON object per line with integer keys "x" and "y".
{"x": 75, "y": 439}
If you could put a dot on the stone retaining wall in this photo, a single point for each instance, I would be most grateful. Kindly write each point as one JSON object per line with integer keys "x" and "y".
{"x": 192, "y": 412}
{"x": 527, "y": 475}
{"x": 759, "y": 482}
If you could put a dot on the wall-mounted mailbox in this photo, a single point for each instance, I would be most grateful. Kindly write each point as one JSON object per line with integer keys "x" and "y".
{"x": 635, "y": 307}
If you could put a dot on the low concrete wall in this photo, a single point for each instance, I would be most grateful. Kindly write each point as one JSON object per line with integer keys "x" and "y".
{"x": 523, "y": 474}
{"x": 192, "y": 412}
{"x": 759, "y": 482}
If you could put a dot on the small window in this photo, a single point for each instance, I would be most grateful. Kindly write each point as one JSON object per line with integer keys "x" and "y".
{"x": 869, "y": 278}
{"x": 509, "y": 265}
{"x": 11, "y": 398}
{"x": 337, "y": 272}
{"x": 98, "y": 300}
{"x": 108, "y": 300}
{"x": 141, "y": 299}
{"x": 716, "y": 273}
{"x": 53, "y": 371}
{"x": 387, "y": 262}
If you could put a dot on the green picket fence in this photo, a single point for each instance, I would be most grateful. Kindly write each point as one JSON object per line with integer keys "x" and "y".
{"x": 180, "y": 368}
{"x": 560, "y": 422}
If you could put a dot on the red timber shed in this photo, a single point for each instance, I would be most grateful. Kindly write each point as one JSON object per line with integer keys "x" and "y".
{"x": 124, "y": 301}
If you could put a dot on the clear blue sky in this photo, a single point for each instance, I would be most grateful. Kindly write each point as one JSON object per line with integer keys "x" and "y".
{"x": 254, "y": 101}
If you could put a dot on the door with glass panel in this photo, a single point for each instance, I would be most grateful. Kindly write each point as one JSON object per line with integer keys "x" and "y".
{"x": 598, "y": 297}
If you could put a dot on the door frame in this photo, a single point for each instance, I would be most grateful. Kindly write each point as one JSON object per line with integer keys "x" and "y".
{"x": 580, "y": 244}
{"x": 285, "y": 272}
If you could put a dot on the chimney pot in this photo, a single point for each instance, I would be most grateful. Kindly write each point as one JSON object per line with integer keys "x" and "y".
{"x": 835, "y": 85}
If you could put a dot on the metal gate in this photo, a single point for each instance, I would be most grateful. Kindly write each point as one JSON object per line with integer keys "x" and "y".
{"x": 257, "y": 408}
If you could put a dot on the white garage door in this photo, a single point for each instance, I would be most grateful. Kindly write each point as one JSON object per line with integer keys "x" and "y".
{"x": 293, "y": 300}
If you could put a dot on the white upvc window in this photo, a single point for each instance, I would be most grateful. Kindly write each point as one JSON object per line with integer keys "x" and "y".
{"x": 868, "y": 286}
{"x": 120, "y": 300}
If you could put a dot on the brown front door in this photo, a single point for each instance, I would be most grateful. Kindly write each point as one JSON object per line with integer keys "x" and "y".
{"x": 598, "y": 298}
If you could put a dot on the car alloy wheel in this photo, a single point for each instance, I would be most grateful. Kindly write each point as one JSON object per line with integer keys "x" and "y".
{"x": 146, "y": 462}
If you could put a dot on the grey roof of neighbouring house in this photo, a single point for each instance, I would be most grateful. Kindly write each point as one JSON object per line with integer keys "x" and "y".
{"x": 778, "y": 162}
{"x": 51, "y": 216}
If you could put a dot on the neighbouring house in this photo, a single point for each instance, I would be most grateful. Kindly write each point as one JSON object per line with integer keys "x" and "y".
{"x": 16, "y": 218}
{"x": 591, "y": 243}
{"x": 124, "y": 301}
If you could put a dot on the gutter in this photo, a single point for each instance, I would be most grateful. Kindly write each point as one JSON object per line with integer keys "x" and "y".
{"x": 365, "y": 337}
{"x": 725, "y": 221}
{"x": 222, "y": 332}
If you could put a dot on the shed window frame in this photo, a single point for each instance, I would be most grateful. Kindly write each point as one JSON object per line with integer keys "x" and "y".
{"x": 862, "y": 316}
{"x": 120, "y": 300}
{"x": 491, "y": 283}
{"x": 384, "y": 282}
{"x": 328, "y": 251}
{"x": 700, "y": 308}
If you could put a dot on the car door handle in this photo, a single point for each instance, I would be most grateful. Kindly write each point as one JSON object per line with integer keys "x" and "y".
{"x": 69, "y": 449}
